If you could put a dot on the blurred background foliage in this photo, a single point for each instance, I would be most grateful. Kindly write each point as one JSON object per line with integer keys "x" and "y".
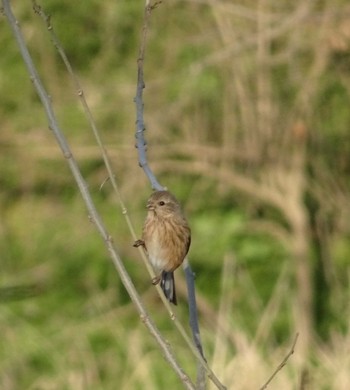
{"x": 247, "y": 115}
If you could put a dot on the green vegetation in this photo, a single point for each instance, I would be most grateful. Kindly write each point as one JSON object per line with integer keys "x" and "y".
{"x": 247, "y": 116}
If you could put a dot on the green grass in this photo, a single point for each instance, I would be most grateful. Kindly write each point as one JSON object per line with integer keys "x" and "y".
{"x": 66, "y": 319}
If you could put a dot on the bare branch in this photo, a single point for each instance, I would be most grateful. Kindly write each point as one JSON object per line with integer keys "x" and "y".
{"x": 282, "y": 364}
{"x": 94, "y": 215}
{"x": 141, "y": 148}
{"x": 140, "y": 125}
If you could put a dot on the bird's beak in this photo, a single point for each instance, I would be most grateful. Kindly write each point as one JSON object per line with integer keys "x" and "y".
{"x": 150, "y": 206}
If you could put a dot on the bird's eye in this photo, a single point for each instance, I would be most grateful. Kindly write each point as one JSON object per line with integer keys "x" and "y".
{"x": 161, "y": 203}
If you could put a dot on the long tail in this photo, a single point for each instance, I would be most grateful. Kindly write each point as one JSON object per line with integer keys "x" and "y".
{"x": 167, "y": 284}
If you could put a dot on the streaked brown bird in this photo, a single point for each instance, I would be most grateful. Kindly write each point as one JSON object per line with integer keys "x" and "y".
{"x": 166, "y": 237}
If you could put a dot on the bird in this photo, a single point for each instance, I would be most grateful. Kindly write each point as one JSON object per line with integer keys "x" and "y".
{"x": 166, "y": 237}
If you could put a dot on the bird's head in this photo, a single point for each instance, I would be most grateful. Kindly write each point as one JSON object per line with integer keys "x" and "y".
{"x": 163, "y": 204}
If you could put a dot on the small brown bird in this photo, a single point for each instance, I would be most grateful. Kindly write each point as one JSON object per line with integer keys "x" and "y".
{"x": 166, "y": 237}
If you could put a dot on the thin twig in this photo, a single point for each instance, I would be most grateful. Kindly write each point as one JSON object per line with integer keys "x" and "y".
{"x": 282, "y": 364}
{"x": 82, "y": 185}
{"x": 140, "y": 125}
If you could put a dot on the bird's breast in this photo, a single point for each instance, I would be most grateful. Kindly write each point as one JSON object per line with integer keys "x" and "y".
{"x": 166, "y": 244}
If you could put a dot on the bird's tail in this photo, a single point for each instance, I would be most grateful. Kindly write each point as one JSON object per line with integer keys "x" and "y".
{"x": 167, "y": 284}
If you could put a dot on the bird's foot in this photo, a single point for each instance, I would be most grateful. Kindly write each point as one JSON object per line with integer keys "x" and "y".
{"x": 156, "y": 279}
{"x": 138, "y": 243}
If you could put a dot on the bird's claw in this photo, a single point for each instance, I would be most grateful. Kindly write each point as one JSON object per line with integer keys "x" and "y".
{"x": 138, "y": 243}
{"x": 156, "y": 280}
